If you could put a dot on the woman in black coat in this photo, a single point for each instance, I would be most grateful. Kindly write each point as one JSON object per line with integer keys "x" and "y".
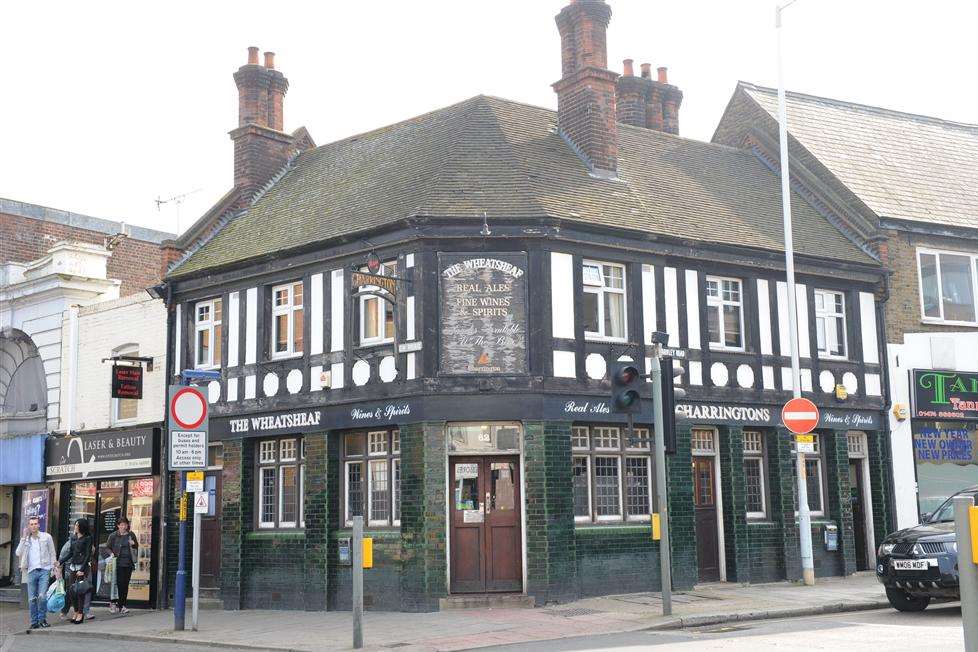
{"x": 79, "y": 569}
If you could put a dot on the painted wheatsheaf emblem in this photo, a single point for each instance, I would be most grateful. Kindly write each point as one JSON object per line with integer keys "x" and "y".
{"x": 483, "y": 313}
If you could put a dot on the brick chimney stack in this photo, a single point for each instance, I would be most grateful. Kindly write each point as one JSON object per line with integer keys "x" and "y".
{"x": 586, "y": 95}
{"x": 646, "y": 102}
{"x": 261, "y": 147}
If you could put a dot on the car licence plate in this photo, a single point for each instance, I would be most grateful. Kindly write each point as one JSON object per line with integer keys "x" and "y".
{"x": 911, "y": 564}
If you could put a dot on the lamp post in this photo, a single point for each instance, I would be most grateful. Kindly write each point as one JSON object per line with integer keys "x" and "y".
{"x": 804, "y": 515}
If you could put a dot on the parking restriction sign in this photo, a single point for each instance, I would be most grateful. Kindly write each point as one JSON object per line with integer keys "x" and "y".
{"x": 187, "y": 432}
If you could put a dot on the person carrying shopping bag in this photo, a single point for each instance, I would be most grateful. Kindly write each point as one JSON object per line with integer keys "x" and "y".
{"x": 123, "y": 545}
{"x": 79, "y": 569}
{"x": 37, "y": 559}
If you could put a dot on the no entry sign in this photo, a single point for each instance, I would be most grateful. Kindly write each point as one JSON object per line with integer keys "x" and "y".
{"x": 187, "y": 432}
{"x": 799, "y": 415}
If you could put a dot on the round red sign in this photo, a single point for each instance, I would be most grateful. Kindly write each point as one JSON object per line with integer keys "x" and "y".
{"x": 799, "y": 415}
{"x": 188, "y": 408}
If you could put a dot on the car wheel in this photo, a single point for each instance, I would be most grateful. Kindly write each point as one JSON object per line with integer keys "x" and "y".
{"x": 903, "y": 601}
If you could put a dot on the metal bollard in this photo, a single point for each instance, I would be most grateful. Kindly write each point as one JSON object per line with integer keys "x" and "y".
{"x": 967, "y": 570}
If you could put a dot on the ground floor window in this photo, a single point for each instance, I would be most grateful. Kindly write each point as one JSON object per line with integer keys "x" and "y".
{"x": 611, "y": 473}
{"x": 280, "y": 475}
{"x": 755, "y": 487}
{"x": 946, "y": 457}
{"x": 814, "y": 480}
{"x": 372, "y": 476}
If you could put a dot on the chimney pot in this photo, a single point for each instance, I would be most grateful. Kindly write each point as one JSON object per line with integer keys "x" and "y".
{"x": 629, "y": 67}
{"x": 253, "y": 55}
{"x": 647, "y": 70}
{"x": 662, "y": 75}
{"x": 269, "y": 60}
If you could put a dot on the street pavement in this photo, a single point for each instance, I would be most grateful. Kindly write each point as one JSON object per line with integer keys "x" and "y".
{"x": 937, "y": 628}
{"x": 467, "y": 629}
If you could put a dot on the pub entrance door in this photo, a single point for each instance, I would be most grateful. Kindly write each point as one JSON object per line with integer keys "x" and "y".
{"x": 486, "y": 551}
{"x": 705, "y": 504}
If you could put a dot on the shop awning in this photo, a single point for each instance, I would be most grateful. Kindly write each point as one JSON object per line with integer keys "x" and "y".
{"x": 22, "y": 459}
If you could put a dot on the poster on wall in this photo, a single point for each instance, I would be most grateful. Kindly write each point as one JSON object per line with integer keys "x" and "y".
{"x": 34, "y": 504}
{"x": 944, "y": 394}
{"x": 483, "y": 313}
{"x": 942, "y": 442}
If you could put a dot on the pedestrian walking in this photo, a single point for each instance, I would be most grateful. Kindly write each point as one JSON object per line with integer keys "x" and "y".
{"x": 80, "y": 570}
{"x": 37, "y": 558}
{"x": 123, "y": 545}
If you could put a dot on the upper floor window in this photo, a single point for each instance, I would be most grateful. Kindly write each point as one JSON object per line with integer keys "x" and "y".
{"x": 725, "y": 313}
{"x": 947, "y": 286}
{"x": 207, "y": 341}
{"x": 603, "y": 306}
{"x": 125, "y": 410}
{"x": 376, "y": 314}
{"x": 287, "y": 320}
{"x": 830, "y": 323}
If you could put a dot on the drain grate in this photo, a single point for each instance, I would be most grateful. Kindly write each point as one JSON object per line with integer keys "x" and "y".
{"x": 578, "y": 611}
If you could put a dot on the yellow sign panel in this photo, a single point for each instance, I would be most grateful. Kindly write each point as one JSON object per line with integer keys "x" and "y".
{"x": 183, "y": 507}
{"x": 656, "y": 528}
{"x": 368, "y": 552}
{"x": 805, "y": 439}
{"x": 973, "y": 521}
{"x": 195, "y": 476}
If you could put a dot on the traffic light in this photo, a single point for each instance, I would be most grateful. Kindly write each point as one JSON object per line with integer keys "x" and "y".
{"x": 670, "y": 371}
{"x": 626, "y": 381}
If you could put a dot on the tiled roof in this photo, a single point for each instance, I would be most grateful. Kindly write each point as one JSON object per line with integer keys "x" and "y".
{"x": 507, "y": 159}
{"x": 901, "y": 165}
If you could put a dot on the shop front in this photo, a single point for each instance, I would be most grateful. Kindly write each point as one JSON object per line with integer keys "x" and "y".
{"x": 944, "y": 425}
{"x": 101, "y": 476}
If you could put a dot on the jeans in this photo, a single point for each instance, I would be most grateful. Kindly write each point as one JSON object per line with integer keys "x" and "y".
{"x": 37, "y": 590}
{"x": 122, "y": 576}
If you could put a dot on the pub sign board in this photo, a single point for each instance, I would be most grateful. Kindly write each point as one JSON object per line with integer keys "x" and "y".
{"x": 944, "y": 394}
{"x": 107, "y": 454}
{"x": 483, "y": 313}
{"x": 127, "y": 381}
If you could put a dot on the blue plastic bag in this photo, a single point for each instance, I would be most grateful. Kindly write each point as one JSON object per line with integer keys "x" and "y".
{"x": 56, "y": 596}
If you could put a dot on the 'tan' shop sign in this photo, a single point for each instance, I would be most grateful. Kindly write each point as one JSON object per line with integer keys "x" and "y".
{"x": 945, "y": 395}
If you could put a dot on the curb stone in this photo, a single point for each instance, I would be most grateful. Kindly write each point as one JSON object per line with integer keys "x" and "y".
{"x": 146, "y": 638}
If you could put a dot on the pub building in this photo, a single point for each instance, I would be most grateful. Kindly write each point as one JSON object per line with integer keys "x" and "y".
{"x": 463, "y": 409}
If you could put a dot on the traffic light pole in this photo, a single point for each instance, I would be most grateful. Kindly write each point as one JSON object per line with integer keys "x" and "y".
{"x": 665, "y": 564}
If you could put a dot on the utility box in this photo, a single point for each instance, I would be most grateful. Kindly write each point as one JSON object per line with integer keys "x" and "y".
{"x": 343, "y": 552}
{"x": 831, "y": 536}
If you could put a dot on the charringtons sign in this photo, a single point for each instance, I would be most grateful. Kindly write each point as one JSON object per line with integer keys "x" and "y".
{"x": 944, "y": 394}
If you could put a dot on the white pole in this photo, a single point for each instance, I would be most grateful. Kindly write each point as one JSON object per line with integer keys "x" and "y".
{"x": 804, "y": 515}
{"x": 662, "y": 503}
{"x": 356, "y": 556}
{"x": 196, "y": 563}
{"x": 968, "y": 572}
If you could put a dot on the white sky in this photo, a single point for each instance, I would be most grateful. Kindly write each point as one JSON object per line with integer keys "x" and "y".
{"x": 109, "y": 105}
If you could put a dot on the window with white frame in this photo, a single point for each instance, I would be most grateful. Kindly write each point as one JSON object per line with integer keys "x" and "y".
{"x": 725, "y": 312}
{"x": 947, "y": 286}
{"x": 287, "y": 320}
{"x": 281, "y": 475}
{"x": 755, "y": 496}
{"x": 611, "y": 474}
{"x": 830, "y": 323}
{"x": 376, "y": 314}
{"x": 813, "y": 480}
{"x": 603, "y": 304}
{"x": 372, "y": 477}
{"x": 125, "y": 410}
{"x": 207, "y": 329}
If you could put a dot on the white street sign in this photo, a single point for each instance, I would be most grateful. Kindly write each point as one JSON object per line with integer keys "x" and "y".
{"x": 195, "y": 481}
{"x": 188, "y": 449}
{"x": 201, "y": 502}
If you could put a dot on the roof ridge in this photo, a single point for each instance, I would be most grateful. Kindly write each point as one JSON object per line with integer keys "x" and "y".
{"x": 857, "y": 105}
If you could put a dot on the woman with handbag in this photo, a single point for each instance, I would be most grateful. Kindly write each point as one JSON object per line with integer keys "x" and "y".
{"x": 79, "y": 569}
{"x": 123, "y": 545}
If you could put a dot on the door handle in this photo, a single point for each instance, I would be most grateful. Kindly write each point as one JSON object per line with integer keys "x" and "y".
{"x": 488, "y": 507}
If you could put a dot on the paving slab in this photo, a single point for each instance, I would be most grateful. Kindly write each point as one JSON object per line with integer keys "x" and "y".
{"x": 463, "y": 629}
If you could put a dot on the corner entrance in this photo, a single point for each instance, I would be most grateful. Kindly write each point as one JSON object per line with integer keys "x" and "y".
{"x": 485, "y": 519}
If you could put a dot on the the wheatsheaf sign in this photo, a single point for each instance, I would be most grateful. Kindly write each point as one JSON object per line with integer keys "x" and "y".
{"x": 944, "y": 394}
{"x": 483, "y": 313}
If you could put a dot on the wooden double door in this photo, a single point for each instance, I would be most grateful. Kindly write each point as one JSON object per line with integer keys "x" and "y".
{"x": 486, "y": 551}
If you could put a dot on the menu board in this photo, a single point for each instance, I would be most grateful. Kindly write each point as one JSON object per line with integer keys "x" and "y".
{"x": 483, "y": 313}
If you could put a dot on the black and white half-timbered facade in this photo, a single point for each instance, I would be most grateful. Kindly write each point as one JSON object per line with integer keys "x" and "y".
{"x": 460, "y": 404}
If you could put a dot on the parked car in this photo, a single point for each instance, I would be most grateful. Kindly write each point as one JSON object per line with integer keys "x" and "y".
{"x": 920, "y": 563}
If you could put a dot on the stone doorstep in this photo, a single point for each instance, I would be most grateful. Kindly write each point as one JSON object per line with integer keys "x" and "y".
{"x": 487, "y": 601}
